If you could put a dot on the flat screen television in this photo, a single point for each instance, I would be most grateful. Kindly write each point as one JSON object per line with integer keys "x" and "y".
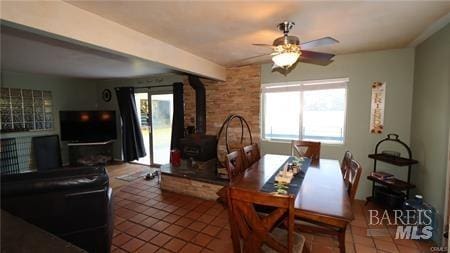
{"x": 88, "y": 126}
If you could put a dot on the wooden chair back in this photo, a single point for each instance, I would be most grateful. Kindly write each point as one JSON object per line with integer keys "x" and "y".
{"x": 234, "y": 164}
{"x": 310, "y": 149}
{"x": 352, "y": 176}
{"x": 253, "y": 229}
{"x": 346, "y": 162}
{"x": 251, "y": 154}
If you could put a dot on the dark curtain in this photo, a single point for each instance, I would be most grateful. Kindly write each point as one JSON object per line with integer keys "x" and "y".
{"x": 132, "y": 142}
{"x": 178, "y": 116}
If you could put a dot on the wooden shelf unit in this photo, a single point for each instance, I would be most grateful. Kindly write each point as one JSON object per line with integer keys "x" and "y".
{"x": 392, "y": 183}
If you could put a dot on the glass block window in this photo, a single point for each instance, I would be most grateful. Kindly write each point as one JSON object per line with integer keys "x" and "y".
{"x": 25, "y": 110}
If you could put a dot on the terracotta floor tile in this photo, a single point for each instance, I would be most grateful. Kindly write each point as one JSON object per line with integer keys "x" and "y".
{"x": 325, "y": 241}
{"x": 197, "y": 226}
{"x": 221, "y": 246}
{"x": 138, "y": 218}
{"x": 135, "y": 229}
{"x": 151, "y": 211}
{"x": 173, "y": 229}
{"x": 320, "y": 248}
{"x": 162, "y": 250}
{"x": 211, "y": 230}
{"x": 124, "y": 226}
{"x": 364, "y": 249}
{"x": 205, "y": 250}
{"x": 132, "y": 245}
{"x": 385, "y": 246}
{"x": 147, "y": 235}
{"x": 202, "y": 239}
{"x": 367, "y": 241}
{"x": 191, "y": 248}
{"x": 160, "y": 239}
{"x": 183, "y": 221}
{"x": 118, "y": 220}
{"x": 206, "y": 218}
{"x": 224, "y": 234}
{"x": 219, "y": 221}
{"x": 119, "y": 250}
{"x": 171, "y": 218}
{"x": 159, "y": 214}
{"x": 160, "y": 225}
{"x": 148, "y": 248}
{"x": 149, "y": 222}
{"x": 175, "y": 245}
{"x": 193, "y": 215}
{"x": 116, "y": 233}
{"x": 121, "y": 239}
{"x": 187, "y": 234}
{"x": 407, "y": 243}
{"x": 404, "y": 249}
{"x": 181, "y": 211}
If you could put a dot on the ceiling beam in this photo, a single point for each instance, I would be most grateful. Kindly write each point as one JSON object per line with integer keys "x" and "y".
{"x": 64, "y": 21}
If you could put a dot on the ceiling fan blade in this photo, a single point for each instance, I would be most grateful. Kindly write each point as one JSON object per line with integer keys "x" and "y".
{"x": 315, "y": 62}
{"x": 325, "y": 41}
{"x": 316, "y": 55}
{"x": 252, "y": 60}
{"x": 262, "y": 45}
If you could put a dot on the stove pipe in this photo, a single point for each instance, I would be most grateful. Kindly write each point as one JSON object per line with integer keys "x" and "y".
{"x": 200, "y": 104}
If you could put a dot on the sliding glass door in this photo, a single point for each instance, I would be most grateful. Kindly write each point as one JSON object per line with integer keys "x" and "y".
{"x": 155, "y": 113}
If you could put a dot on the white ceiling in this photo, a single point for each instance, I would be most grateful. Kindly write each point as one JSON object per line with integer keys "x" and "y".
{"x": 221, "y": 32}
{"x": 28, "y": 52}
{"x": 224, "y": 31}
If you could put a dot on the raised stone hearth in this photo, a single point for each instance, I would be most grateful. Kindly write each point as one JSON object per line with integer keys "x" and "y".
{"x": 198, "y": 179}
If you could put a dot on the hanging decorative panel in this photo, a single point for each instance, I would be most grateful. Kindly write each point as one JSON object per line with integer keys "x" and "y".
{"x": 25, "y": 110}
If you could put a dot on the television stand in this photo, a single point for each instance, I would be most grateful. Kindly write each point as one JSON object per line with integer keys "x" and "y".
{"x": 90, "y": 153}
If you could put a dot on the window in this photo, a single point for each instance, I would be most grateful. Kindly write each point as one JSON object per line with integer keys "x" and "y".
{"x": 308, "y": 110}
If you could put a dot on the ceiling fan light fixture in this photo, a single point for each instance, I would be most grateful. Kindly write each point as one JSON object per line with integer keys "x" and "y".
{"x": 286, "y": 59}
{"x": 286, "y": 55}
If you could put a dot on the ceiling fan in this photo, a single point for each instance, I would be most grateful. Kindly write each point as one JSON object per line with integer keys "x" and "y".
{"x": 286, "y": 50}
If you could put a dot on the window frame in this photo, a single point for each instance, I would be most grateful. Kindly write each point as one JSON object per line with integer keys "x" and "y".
{"x": 301, "y": 86}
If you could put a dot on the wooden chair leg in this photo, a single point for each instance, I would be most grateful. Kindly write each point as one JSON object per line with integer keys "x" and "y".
{"x": 341, "y": 239}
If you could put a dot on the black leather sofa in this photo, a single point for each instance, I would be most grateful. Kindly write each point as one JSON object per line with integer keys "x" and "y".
{"x": 74, "y": 204}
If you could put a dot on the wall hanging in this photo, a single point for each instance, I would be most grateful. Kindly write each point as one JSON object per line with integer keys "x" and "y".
{"x": 377, "y": 108}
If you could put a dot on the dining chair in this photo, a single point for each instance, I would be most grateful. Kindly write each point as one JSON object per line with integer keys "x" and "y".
{"x": 346, "y": 162}
{"x": 235, "y": 165}
{"x": 251, "y": 154}
{"x": 351, "y": 180}
{"x": 310, "y": 149}
{"x": 352, "y": 177}
{"x": 256, "y": 232}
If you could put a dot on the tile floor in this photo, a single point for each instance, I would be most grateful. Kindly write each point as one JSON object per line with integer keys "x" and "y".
{"x": 149, "y": 220}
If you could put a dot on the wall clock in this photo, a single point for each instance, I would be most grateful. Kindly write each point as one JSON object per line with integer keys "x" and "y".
{"x": 106, "y": 95}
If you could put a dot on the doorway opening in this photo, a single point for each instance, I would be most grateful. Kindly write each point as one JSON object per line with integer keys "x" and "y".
{"x": 155, "y": 112}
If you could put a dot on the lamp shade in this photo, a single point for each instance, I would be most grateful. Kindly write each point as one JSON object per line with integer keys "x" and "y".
{"x": 285, "y": 59}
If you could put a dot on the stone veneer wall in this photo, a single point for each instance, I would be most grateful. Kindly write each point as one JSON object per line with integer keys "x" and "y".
{"x": 239, "y": 94}
{"x": 190, "y": 187}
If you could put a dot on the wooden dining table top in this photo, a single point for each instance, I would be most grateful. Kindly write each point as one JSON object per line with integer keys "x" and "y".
{"x": 322, "y": 195}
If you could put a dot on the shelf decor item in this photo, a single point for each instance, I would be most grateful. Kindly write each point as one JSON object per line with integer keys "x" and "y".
{"x": 384, "y": 182}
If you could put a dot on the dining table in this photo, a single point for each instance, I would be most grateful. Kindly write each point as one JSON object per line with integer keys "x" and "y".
{"x": 321, "y": 199}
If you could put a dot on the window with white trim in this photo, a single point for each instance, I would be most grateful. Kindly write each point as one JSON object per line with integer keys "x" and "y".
{"x": 306, "y": 110}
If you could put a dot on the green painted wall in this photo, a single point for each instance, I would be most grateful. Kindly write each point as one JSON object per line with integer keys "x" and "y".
{"x": 67, "y": 93}
{"x": 431, "y": 116}
{"x": 395, "y": 67}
